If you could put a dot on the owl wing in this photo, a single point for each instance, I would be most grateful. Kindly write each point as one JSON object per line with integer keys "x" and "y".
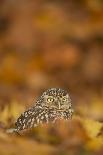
{"x": 35, "y": 116}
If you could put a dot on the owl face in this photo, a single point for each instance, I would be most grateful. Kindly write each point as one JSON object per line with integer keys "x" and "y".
{"x": 57, "y": 98}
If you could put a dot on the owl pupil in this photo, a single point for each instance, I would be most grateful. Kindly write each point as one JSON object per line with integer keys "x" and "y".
{"x": 50, "y": 99}
{"x": 64, "y": 99}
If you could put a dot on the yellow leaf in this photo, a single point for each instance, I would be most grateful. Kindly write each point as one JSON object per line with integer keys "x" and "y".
{"x": 16, "y": 109}
{"x": 92, "y": 127}
{"x": 4, "y": 114}
{"x": 95, "y": 144}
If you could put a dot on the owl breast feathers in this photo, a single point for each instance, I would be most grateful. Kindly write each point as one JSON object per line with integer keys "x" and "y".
{"x": 54, "y": 104}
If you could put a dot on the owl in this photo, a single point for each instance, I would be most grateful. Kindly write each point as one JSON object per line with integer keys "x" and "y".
{"x": 53, "y": 104}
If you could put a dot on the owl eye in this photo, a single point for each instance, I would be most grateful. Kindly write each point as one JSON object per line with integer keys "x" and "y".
{"x": 64, "y": 99}
{"x": 50, "y": 99}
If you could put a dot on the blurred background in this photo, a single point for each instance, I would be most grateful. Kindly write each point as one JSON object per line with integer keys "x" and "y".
{"x": 46, "y": 44}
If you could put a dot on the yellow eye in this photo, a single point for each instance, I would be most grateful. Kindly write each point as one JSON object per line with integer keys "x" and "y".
{"x": 50, "y": 99}
{"x": 64, "y": 99}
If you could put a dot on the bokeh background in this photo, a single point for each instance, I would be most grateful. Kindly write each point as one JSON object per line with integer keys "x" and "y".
{"x": 46, "y": 44}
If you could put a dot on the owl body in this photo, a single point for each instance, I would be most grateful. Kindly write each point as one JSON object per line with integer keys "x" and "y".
{"x": 54, "y": 104}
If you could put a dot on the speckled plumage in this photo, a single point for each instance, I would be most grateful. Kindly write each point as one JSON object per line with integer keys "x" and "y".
{"x": 54, "y": 104}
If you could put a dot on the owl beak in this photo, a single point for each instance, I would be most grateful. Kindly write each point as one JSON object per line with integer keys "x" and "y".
{"x": 59, "y": 105}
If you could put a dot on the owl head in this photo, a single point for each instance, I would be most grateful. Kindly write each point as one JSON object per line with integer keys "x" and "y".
{"x": 56, "y": 98}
